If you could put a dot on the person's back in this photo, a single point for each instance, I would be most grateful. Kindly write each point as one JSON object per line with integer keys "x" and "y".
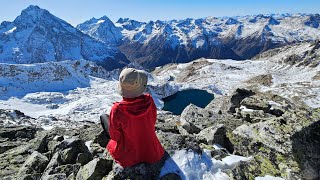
{"x": 132, "y": 123}
{"x": 132, "y": 132}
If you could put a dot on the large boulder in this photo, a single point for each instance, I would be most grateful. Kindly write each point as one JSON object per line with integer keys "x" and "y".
{"x": 36, "y": 163}
{"x": 101, "y": 139}
{"x": 237, "y": 97}
{"x": 167, "y": 122}
{"x": 95, "y": 169}
{"x": 70, "y": 148}
{"x": 172, "y": 142}
{"x": 67, "y": 170}
{"x": 68, "y": 152}
{"x": 13, "y": 158}
{"x": 194, "y": 119}
{"x": 55, "y": 161}
{"x": 139, "y": 171}
{"x": 216, "y": 135}
{"x": 256, "y": 102}
{"x": 286, "y": 146}
{"x": 261, "y": 104}
{"x": 18, "y": 132}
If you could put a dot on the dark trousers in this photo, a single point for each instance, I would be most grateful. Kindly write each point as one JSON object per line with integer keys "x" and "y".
{"x": 104, "y": 121}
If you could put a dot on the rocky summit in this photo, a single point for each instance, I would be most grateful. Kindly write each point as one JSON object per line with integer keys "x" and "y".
{"x": 261, "y": 73}
{"x": 281, "y": 137}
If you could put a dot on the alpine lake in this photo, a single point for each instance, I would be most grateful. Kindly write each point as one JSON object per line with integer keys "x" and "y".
{"x": 177, "y": 102}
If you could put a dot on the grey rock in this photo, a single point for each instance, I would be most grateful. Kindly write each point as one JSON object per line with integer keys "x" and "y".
{"x": 89, "y": 132}
{"x": 306, "y": 150}
{"x": 252, "y": 116}
{"x": 196, "y": 118}
{"x": 95, "y": 169}
{"x": 67, "y": 169}
{"x": 172, "y": 142}
{"x": 281, "y": 143}
{"x": 84, "y": 158}
{"x": 139, "y": 171}
{"x": 167, "y": 123}
{"x": 238, "y": 172}
{"x": 60, "y": 176}
{"x": 265, "y": 80}
{"x": 54, "y": 162}
{"x": 22, "y": 132}
{"x": 256, "y": 103}
{"x": 71, "y": 177}
{"x": 6, "y": 145}
{"x": 216, "y": 135}
{"x": 12, "y": 159}
{"x": 36, "y": 163}
{"x": 70, "y": 149}
{"x": 36, "y": 176}
{"x": 101, "y": 139}
{"x": 97, "y": 150}
{"x": 237, "y": 97}
{"x": 219, "y": 154}
{"x": 15, "y": 116}
{"x": 58, "y": 138}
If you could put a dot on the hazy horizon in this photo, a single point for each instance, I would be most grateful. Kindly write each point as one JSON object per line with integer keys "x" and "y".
{"x": 78, "y": 11}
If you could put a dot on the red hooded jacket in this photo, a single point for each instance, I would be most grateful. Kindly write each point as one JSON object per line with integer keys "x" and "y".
{"x": 132, "y": 132}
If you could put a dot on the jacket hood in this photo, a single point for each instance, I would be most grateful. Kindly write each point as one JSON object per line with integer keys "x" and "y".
{"x": 136, "y": 106}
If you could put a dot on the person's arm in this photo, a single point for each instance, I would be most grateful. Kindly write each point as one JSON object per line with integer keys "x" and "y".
{"x": 154, "y": 110}
{"x": 114, "y": 125}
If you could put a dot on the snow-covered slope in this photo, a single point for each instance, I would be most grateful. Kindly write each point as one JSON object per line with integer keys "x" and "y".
{"x": 68, "y": 90}
{"x": 301, "y": 84}
{"x": 81, "y": 91}
{"x": 161, "y": 42}
{"x": 21, "y": 79}
{"x": 301, "y": 54}
{"x": 103, "y": 30}
{"x": 37, "y": 36}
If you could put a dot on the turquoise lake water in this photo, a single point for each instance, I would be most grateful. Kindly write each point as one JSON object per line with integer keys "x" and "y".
{"x": 178, "y": 101}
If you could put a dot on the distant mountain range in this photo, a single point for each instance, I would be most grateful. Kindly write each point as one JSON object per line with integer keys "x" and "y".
{"x": 38, "y": 36}
{"x": 161, "y": 42}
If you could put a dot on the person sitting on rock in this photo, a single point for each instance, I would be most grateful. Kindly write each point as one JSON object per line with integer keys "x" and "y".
{"x": 131, "y": 124}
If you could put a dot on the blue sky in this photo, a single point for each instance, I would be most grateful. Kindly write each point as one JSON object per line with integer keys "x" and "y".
{"x": 77, "y": 11}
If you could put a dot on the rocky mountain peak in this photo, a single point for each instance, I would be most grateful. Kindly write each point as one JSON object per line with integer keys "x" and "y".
{"x": 37, "y": 36}
{"x": 231, "y": 21}
{"x": 103, "y": 19}
{"x": 130, "y": 24}
{"x": 32, "y": 9}
{"x": 313, "y": 21}
{"x": 122, "y": 20}
{"x": 31, "y": 15}
{"x": 102, "y": 29}
{"x": 273, "y": 21}
{"x": 4, "y": 24}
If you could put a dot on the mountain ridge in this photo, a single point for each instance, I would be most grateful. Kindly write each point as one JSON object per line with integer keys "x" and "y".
{"x": 37, "y": 36}
{"x": 157, "y": 43}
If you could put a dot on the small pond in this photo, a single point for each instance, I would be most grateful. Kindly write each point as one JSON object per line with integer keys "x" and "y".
{"x": 180, "y": 100}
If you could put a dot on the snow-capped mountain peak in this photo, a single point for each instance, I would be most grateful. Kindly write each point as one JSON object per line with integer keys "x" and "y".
{"x": 37, "y": 36}
{"x": 34, "y": 15}
{"x": 103, "y": 30}
{"x": 240, "y": 37}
